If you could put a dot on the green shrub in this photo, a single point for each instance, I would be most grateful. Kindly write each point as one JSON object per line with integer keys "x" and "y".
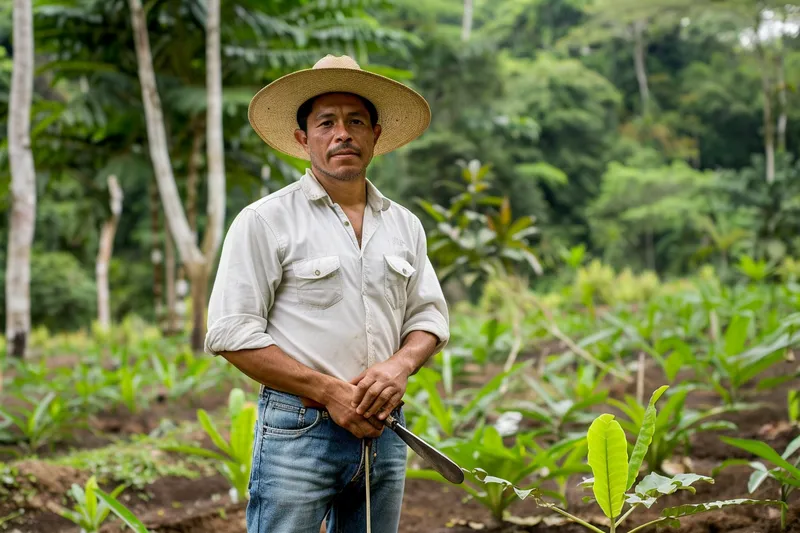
{"x": 63, "y": 293}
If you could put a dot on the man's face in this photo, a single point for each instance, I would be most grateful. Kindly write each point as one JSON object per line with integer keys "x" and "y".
{"x": 340, "y": 139}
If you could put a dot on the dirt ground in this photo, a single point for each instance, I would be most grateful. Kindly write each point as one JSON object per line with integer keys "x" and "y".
{"x": 179, "y": 505}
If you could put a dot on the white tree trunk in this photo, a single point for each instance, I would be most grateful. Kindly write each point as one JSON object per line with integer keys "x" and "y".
{"x": 766, "y": 89}
{"x": 466, "y": 21}
{"x": 215, "y": 150}
{"x": 23, "y": 183}
{"x": 105, "y": 251}
{"x": 639, "y": 63}
{"x": 195, "y": 261}
{"x": 171, "y": 326}
{"x": 157, "y": 141}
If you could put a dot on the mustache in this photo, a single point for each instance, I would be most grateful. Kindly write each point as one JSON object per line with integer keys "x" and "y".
{"x": 344, "y": 147}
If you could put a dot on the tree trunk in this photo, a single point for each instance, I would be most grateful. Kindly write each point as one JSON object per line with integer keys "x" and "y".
{"x": 199, "y": 282}
{"x": 172, "y": 300}
{"x": 23, "y": 183}
{"x": 105, "y": 251}
{"x": 766, "y": 89}
{"x": 194, "y": 260}
{"x": 639, "y": 63}
{"x": 192, "y": 177}
{"x": 783, "y": 104}
{"x": 156, "y": 257}
{"x": 157, "y": 141}
{"x": 466, "y": 21}
{"x": 215, "y": 149}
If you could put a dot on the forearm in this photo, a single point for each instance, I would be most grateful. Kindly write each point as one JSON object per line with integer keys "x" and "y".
{"x": 271, "y": 367}
{"x": 417, "y": 348}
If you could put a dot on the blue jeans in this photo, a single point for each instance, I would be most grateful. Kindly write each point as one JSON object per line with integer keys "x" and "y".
{"x": 307, "y": 468}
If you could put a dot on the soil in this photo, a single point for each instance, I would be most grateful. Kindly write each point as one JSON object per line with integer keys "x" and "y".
{"x": 179, "y": 505}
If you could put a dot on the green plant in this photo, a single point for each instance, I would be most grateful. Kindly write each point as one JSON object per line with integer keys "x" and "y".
{"x": 594, "y": 284}
{"x": 183, "y": 375}
{"x": 615, "y": 474}
{"x": 517, "y": 463}
{"x": 473, "y": 241}
{"x": 562, "y": 401}
{"x": 234, "y": 461}
{"x": 737, "y": 362}
{"x": 436, "y": 418}
{"x": 786, "y": 470}
{"x": 92, "y": 507}
{"x": 674, "y": 426}
{"x": 46, "y": 421}
{"x": 756, "y": 271}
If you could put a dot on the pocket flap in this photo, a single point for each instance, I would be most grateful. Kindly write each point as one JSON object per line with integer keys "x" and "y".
{"x": 316, "y": 268}
{"x": 400, "y": 265}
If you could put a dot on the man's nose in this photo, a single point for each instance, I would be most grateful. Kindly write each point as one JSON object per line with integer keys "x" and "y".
{"x": 342, "y": 135}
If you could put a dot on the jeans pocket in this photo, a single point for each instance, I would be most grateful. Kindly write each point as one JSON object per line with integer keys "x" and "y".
{"x": 284, "y": 419}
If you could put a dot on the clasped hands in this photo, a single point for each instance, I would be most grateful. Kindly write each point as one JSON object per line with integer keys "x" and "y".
{"x": 362, "y": 404}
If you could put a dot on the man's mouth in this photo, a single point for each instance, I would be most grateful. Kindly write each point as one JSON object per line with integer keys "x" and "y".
{"x": 345, "y": 153}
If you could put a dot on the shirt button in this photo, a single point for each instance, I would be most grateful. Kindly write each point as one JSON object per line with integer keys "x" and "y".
{"x": 346, "y": 222}
{"x": 316, "y": 272}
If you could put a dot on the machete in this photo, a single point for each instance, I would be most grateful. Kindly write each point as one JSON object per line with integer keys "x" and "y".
{"x": 439, "y": 461}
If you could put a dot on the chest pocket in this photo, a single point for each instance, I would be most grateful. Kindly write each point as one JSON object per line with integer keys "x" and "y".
{"x": 397, "y": 272}
{"x": 319, "y": 281}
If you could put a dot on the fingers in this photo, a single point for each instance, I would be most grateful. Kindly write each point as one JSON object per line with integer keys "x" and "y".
{"x": 390, "y": 406}
{"x": 358, "y": 378}
{"x": 369, "y": 397}
{"x": 361, "y": 390}
{"x": 386, "y": 394}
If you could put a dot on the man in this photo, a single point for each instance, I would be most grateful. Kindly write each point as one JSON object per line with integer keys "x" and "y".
{"x": 325, "y": 295}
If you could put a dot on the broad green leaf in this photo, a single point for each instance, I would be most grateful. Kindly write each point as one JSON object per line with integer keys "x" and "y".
{"x": 645, "y": 437}
{"x": 122, "y": 512}
{"x": 763, "y": 451}
{"x": 608, "y": 458}
{"x": 211, "y": 429}
{"x": 736, "y": 334}
{"x": 692, "y": 509}
{"x": 656, "y": 485}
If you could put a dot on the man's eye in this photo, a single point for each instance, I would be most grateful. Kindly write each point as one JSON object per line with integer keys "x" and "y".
{"x": 357, "y": 121}
{"x": 327, "y": 123}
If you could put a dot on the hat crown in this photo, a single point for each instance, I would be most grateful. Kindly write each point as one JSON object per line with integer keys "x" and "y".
{"x": 331, "y": 61}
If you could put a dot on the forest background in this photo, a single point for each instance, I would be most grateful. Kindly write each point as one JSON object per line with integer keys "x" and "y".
{"x": 644, "y": 137}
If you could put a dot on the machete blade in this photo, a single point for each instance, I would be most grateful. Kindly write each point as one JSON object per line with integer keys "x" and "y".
{"x": 439, "y": 461}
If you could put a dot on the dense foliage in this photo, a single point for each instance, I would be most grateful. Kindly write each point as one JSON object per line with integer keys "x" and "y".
{"x": 635, "y": 130}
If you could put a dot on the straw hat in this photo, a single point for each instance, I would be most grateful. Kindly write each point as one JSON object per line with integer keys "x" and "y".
{"x": 402, "y": 113}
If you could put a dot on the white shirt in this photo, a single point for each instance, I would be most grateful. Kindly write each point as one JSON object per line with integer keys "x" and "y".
{"x": 292, "y": 273}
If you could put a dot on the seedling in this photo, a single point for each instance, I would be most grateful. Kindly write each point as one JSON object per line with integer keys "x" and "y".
{"x": 235, "y": 460}
{"x": 563, "y": 402}
{"x": 674, "y": 427}
{"x": 786, "y": 470}
{"x": 517, "y": 463}
{"x": 92, "y": 507}
{"x": 615, "y": 474}
{"x": 44, "y": 423}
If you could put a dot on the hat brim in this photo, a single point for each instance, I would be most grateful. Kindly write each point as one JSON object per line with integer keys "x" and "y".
{"x": 402, "y": 113}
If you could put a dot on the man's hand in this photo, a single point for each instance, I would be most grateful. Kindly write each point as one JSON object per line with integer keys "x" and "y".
{"x": 380, "y": 388}
{"x": 344, "y": 414}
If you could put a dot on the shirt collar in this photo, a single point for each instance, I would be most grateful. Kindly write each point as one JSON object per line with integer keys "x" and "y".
{"x": 314, "y": 192}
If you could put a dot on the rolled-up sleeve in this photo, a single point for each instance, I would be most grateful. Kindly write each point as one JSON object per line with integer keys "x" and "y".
{"x": 244, "y": 288}
{"x": 426, "y": 308}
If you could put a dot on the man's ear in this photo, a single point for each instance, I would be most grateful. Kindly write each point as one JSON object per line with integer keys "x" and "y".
{"x": 302, "y": 138}
{"x": 376, "y": 129}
